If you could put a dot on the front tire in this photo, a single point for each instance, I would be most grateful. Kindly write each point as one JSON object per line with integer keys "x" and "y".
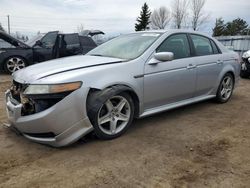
{"x": 13, "y": 64}
{"x": 113, "y": 117}
{"x": 225, "y": 89}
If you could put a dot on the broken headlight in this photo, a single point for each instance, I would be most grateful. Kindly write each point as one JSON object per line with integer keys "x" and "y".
{"x": 51, "y": 88}
{"x": 37, "y": 98}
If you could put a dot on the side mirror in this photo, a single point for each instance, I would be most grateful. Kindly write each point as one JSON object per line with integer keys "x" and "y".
{"x": 249, "y": 59}
{"x": 38, "y": 43}
{"x": 164, "y": 56}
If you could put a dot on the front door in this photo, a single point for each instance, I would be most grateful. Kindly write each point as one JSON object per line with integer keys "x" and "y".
{"x": 46, "y": 49}
{"x": 172, "y": 81}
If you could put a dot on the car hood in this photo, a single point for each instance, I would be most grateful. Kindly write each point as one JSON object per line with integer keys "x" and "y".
{"x": 48, "y": 68}
{"x": 6, "y": 37}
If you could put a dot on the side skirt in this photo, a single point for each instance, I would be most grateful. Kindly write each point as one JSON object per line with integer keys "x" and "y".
{"x": 175, "y": 105}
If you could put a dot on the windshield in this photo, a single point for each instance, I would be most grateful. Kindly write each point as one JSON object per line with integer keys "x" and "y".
{"x": 126, "y": 47}
{"x": 33, "y": 40}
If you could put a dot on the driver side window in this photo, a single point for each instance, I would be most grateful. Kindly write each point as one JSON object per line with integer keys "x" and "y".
{"x": 49, "y": 40}
{"x": 177, "y": 44}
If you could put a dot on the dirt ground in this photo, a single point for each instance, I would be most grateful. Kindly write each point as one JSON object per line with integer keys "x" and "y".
{"x": 201, "y": 145}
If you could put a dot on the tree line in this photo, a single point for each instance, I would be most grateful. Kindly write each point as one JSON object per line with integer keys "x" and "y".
{"x": 187, "y": 14}
{"x": 182, "y": 13}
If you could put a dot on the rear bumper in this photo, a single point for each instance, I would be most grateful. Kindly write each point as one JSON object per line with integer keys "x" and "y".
{"x": 67, "y": 120}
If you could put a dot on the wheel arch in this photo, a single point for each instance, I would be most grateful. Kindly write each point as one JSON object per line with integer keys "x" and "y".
{"x": 97, "y": 96}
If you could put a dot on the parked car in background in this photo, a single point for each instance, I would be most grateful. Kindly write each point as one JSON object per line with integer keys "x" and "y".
{"x": 245, "y": 65}
{"x": 131, "y": 76}
{"x": 15, "y": 55}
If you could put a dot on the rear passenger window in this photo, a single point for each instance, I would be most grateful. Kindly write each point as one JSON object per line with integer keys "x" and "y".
{"x": 215, "y": 48}
{"x": 202, "y": 45}
{"x": 71, "y": 40}
{"x": 178, "y": 44}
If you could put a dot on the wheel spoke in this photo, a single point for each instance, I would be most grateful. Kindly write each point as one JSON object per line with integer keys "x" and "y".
{"x": 123, "y": 117}
{"x": 113, "y": 124}
{"x": 228, "y": 82}
{"x": 121, "y": 105}
{"x": 10, "y": 65}
{"x": 104, "y": 119}
{"x": 223, "y": 91}
{"x": 109, "y": 105}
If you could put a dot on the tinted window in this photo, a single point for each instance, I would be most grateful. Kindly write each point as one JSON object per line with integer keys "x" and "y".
{"x": 49, "y": 39}
{"x": 87, "y": 41}
{"x": 71, "y": 39}
{"x": 178, "y": 44}
{"x": 202, "y": 45}
{"x": 215, "y": 48}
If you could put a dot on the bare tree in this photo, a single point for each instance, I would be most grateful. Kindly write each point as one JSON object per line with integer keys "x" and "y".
{"x": 80, "y": 29}
{"x": 160, "y": 18}
{"x": 179, "y": 12}
{"x": 198, "y": 16}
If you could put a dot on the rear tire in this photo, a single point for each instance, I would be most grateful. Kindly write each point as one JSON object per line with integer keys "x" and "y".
{"x": 112, "y": 117}
{"x": 225, "y": 89}
{"x": 14, "y": 63}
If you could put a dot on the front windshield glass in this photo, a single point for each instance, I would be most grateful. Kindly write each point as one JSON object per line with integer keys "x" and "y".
{"x": 126, "y": 47}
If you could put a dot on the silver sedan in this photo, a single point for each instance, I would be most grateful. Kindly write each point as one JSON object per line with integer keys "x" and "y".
{"x": 131, "y": 76}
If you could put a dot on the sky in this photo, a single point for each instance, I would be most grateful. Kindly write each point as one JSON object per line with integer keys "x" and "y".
{"x": 111, "y": 16}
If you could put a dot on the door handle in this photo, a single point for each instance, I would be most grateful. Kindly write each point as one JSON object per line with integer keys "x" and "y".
{"x": 191, "y": 66}
{"x": 219, "y": 62}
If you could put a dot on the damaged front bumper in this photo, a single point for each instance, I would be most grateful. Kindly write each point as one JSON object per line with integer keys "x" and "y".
{"x": 62, "y": 124}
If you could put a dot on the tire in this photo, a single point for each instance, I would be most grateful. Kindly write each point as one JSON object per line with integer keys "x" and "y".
{"x": 244, "y": 74}
{"x": 225, "y": 89}
{"x": 14, "y": 63}
{"x": 113, "y": 116}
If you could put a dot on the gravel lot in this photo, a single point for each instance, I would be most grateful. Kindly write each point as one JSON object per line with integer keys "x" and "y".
{"x": 201, "y": 145}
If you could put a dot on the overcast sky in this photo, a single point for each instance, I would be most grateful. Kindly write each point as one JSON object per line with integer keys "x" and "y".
{"x": 111, "y": 16}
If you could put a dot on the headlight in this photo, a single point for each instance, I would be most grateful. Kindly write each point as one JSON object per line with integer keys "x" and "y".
{"x": 52, "y": 88}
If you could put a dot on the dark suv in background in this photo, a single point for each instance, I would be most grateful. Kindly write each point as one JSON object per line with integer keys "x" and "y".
{"x": 15, "y": 54}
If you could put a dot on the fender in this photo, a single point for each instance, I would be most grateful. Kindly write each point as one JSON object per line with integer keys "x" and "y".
{"x": 96, "y": 98}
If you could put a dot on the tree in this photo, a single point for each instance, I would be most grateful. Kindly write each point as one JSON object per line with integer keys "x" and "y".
{"x": 1, "y": 28}
{"x": 179, "y": 12}
{"x": 219, "y": 28}
{"x": 143, "y": 20}
{"x": 198, "y": 16}
{"x": 236, "y": 27}
{"x": 160, "y": 18}
{"x": 80, "y": 29}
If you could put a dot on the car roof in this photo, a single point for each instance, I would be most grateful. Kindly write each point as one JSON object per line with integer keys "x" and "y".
{"x": 175, "y": 31}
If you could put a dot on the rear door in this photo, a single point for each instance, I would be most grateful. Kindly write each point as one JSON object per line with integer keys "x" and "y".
{"x": 171, "y": 81}
{"x": 70, "y": 45}
{"x": 209, "y": 62}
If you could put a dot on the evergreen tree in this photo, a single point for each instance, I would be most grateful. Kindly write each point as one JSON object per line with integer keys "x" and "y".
{"x": 219, "y": 27}
{"x": 143, "y": 20}
{"x": 236, "y": 27}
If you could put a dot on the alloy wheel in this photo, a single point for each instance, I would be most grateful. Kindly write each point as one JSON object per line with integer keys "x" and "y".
{"x": 226, "y": 87}
{"x": 14, "y": 64}
{"x": 114, "y": 115}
